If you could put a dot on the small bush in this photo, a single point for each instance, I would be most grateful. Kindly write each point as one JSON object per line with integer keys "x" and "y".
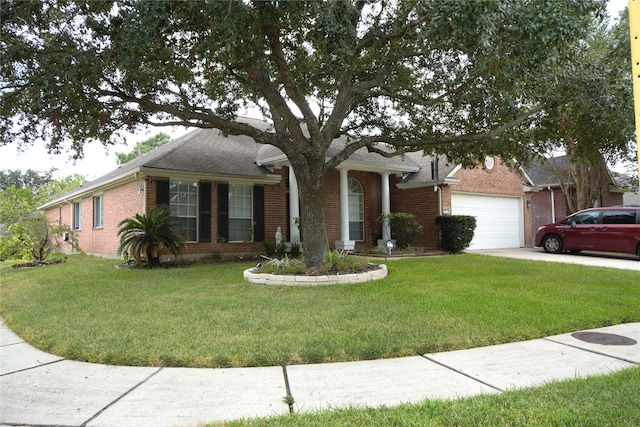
{"x": 281, "y": 249}
{"x": 404, "y": 227}
{"x": 269, "y": 248}
{"x": 456, "y": 232}
{"x": 341, "y": 262}
{"x": 295, "y": 250}
{"x": 284, "y": 265}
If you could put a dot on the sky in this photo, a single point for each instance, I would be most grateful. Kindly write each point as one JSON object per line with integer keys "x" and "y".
{"x": 99, "y": 160}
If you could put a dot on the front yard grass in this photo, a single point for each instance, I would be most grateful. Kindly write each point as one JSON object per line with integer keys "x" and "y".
{"x": 207, "y": 316}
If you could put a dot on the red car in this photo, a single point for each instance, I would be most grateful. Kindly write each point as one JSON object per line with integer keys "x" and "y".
{"x": 613, "y": 229}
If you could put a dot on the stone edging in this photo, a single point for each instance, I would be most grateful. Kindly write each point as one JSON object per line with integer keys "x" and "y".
{"x": 335, "y": 279}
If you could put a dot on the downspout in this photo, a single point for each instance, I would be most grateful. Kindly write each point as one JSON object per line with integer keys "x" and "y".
{"x": 435, "y": 175}
{"x": 553, "y": 204}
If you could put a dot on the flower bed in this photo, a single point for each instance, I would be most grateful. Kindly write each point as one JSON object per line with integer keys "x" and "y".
{"x": 306, "y": 280}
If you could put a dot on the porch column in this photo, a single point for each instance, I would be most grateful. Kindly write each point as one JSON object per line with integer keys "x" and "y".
{"x": 386, "y": 207}
{"x": 294, "y": 207}
{"x": 344, "y": 243}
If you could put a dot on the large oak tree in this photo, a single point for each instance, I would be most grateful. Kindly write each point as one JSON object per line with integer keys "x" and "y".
{"x": 461, "y": 78}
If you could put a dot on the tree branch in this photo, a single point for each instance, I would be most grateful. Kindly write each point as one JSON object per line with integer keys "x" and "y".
{"x": 277, "y": 54}
{"x": 407, "y": 146}
{"x": 201, "y": 118}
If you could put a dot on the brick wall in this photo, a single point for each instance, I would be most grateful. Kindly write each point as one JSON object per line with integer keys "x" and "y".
{"x": 372, "y": 194}
{"x": 118, "y": 203}
{"x": 424, "y": 202}
{"x": 421, "y": 202}
{"x": 125, "y": 201}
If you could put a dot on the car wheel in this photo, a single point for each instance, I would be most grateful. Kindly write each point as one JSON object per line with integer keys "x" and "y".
{"x": 552, "y": 244}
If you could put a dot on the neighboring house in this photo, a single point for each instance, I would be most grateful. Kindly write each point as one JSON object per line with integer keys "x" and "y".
{"x": 632, "y": 198}
{"x": 231, "y": 194}
{"x": 549, "y": 202}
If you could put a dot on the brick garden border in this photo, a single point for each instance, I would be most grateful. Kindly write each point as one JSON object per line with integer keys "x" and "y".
{"x": 334, "y": 279}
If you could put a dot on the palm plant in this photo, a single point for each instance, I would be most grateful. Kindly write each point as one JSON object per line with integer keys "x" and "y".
{"x": 149, "y": 234}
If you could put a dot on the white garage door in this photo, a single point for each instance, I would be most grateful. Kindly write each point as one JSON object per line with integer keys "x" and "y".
{"x": 499, "y": 219}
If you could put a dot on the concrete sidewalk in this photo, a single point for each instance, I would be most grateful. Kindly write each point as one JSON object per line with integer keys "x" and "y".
{"x": 42, "y": 389}
{"x": 593, "y": 259}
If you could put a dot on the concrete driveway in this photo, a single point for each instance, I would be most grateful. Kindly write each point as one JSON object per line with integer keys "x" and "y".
{"x": 594, "y": 259}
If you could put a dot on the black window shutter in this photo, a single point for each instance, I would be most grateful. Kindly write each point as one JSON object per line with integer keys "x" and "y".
{"x": 258, "y": 214}
{"x": 223, "y": 211}
{"x": 204, "y": 216}
{"x": 162, "y": 192}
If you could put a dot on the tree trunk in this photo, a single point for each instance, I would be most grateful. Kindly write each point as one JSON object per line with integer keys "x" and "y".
{"x": 587, "y": 177}
{"x": 310, "y": 179}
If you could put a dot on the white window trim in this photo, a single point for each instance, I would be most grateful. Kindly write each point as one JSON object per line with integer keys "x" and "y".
{"x": 101, "y": 197}
{"x": 76, "y": 222}
{"x": 197, "y": 184}
{"x": 232, "y": 184}
{"x": 360, "y": 208}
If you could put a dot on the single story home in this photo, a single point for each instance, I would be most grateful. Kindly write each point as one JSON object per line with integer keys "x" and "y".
{"x": 231, "y": 194}
{"x": 548, "y": 201}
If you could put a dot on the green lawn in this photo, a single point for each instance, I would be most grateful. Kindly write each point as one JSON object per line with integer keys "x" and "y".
{"x": 206, "y": 315}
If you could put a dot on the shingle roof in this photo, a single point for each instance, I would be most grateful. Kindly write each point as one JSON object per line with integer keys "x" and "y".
{"x": 541, "y": 171}
{"x": 268, "y": 152}
{"x": 211, "y": 152}
{"x": 424, "y": 175}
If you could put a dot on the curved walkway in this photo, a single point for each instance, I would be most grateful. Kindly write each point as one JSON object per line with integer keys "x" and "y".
{"x": 37, "y": 388}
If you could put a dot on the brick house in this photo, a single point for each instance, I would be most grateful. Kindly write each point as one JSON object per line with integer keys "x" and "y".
{"x": 231, "y": 194}
{"x": 548, "y": 201}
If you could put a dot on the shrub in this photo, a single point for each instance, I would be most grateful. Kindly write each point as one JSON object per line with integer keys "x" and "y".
{"x": 31, "y": 239}
{"x": 340, "y": 261}
{"x": 147, "y": 235}
{"x": 295, "y": 249}
{"x": 281, "y": 248}
{"x": 269, "y": 248}
{"x": 284, "y": 265}
{"x": 456, "y": 232}
{"x": 404, "y": 227}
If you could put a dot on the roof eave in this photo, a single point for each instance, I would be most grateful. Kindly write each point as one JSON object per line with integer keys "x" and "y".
{"x": 204, "y": 176}
{"x": 430, "y": 183}
{"x": 82, "y": 192}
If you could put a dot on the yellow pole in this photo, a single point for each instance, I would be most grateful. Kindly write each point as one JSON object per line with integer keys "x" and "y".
{"x": 634, "y": 29}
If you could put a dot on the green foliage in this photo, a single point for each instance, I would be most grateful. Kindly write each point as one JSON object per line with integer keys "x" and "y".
{"x": 146, "y": 236}
{"x": 269, "y": 247}
{"x": 281, "y": 248}
{"x": 341, "y": 262}
{"x": 24, "y": 231}
{"x": 30, "y": 179}
{"x": 16, "y": 203}
{"x": 461, "y": 78}
{"x": 284, "y": 265}
{"x": 30, "y": 239}
{"x": 144, "y": 147}
{"x": 456, "y": 232}
{"x": 295, "y": 249}
{"x": 404, "y": 227}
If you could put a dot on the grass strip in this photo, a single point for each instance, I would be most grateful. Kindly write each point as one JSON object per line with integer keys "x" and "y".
{"x": 608, "y": 400}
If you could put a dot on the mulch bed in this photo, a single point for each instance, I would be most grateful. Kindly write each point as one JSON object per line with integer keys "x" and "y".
{"x": 40, "y": 263}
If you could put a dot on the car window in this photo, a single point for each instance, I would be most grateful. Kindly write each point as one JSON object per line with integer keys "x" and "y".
{"x": 590, "y": 217}
{"x": 619, "y": 217}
